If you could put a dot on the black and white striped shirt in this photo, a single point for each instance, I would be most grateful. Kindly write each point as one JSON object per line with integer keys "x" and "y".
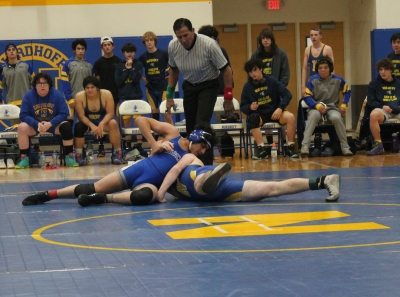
{"x": 199, "y": 64}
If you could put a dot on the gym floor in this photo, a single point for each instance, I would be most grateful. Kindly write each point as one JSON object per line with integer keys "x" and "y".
{"x": 295, "y": 245}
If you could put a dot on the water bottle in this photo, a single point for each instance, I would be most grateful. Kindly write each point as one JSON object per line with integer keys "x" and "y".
{"x": 274, "y": 153}
{"x": 317, "y": 141}
{"x": 89, "y": 153}
{"x": 42, "y": 160}
{"x": 395, "y": 143}
{"x": 54, "y": 157}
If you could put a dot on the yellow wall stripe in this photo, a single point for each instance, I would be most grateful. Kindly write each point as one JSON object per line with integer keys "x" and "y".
{"x": 85, "y": 2}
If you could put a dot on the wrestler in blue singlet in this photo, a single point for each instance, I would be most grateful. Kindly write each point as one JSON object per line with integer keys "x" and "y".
{"x": 95, "y": 116}
{"x": 151, "y": 170}
{"x": 312, "y": 61}
{"x": 227, "y": 190}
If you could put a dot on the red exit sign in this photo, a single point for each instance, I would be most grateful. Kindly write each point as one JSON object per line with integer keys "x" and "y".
{"x": 273, "y": 4}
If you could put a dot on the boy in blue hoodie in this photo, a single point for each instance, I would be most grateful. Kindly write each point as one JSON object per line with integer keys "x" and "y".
{"x": 44, "y": 109}
{"x": 128, "y": 75}
{"x": 264, "y": 99}
{"x": 384, "y": 97}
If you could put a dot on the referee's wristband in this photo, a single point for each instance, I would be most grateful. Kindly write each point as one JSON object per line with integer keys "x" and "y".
{"x": 228, "y": 94}
{"x": 170, "y": 92}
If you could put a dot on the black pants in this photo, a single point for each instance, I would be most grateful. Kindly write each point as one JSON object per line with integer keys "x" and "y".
{"x": 198, "y": 102}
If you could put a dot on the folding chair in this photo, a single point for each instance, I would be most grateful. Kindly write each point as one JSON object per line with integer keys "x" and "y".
{"x": 178, "y": 110}
{"x": 226, "y": 127}
{"x": 322, "y": 127}
{"x": 132, "y": 108}
{"x": 8, "y": 112}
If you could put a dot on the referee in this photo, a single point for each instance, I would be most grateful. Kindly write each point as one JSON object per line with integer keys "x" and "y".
{"x": 200, "y": 60}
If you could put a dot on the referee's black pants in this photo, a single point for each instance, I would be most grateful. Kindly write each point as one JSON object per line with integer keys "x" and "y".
{"x": 198, "y": 102}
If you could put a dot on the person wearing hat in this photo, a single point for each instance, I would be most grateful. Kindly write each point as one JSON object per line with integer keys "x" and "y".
{"x": 73, "y": 72}
{"x": 16, "y": 77}
{"x": 104, "y": 69}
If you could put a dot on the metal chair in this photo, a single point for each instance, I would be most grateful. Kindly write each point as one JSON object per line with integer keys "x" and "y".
{"x": 179, "y": 110}
{"x": 231, "y": 127}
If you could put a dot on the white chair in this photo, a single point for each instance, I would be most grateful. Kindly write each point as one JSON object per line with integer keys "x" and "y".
{"x": 9, "y": 112}
{"x": 225, "y": 127}
{"x": 132, "y": 108}
{"x": 178, "y": 110}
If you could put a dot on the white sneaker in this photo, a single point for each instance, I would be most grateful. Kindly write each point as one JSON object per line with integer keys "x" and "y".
{"x": 10, "y": 163}
{"x": 181, "y": 123}
{"x": 2, "y": 164}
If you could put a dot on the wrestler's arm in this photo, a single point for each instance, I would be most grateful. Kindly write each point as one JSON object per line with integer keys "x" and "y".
{"x": 173, "y": 174}
{"x": 147, "y": 126}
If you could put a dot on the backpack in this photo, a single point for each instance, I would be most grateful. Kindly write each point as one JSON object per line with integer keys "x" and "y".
{"x": 227, "y": 147}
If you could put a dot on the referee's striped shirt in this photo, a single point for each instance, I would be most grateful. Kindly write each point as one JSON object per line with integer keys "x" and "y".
{"x": 199, "y": 64}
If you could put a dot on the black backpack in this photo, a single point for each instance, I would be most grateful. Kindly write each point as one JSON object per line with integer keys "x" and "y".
{"x": 227, "y": 148}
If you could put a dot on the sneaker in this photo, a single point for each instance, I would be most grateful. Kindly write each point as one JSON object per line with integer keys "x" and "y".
{"x": 181, "y": 123}
{"x": 215, "y": 177}
{"x": 262, "y": 153}
{"x": 70, "y": 161}
{"x": 328, "y": 152}
{"x": 96, "y": 198}
{"x": 305, "y": 150}
{"x": 347, "y": 152}
{"x": 2, "y": 164}
{"x": 23, "y": 163}
{"x": 377, "y": 149}
{"x": 101, "y": 152}
{"x": 80, "y": 160}
{"x": 117, "y": 157}
{"x": 332, "y": 184}
{"x": 291, "y": 152}
{"x": 10, "y": 163}
{"x": 315, "y": 153}
{"x": 38, "y": 198}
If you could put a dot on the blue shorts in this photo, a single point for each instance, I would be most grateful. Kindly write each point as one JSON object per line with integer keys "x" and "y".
{"x": 141, "y": 172}
{"x": 155, "y": 97}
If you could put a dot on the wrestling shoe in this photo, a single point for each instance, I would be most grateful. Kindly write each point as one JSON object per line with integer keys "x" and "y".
{"x": 70, "y": 161}
{"x": 212, "y": 181}
{"x": 377, "y": 149}
{"x": 23, "y": 163}
{"x": 101, "y": 152}
{"x": 96, "y": 198}
{"x": 262, "y": 153}
{"x": 38, "y": 198}
{"x": 332, "y": 184}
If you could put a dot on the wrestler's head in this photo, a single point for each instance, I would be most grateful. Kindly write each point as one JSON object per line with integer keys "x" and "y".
{"x": 201, "y": 139}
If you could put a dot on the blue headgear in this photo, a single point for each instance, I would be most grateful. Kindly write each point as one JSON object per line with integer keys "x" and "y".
{"x": 198, "y": 136}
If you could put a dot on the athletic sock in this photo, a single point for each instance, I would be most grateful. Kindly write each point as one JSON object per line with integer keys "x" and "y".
{"x": 109, "y": 198}
{"x": 317, "y": 183}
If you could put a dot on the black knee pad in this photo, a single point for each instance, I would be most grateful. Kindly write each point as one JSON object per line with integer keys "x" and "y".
{"x": 254, "y": 121}
{"x": 142, "y": 196}
{"x": 80, "y": 129}
{"x": 66, "y": 130}
{"x": 84, "y": 189}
